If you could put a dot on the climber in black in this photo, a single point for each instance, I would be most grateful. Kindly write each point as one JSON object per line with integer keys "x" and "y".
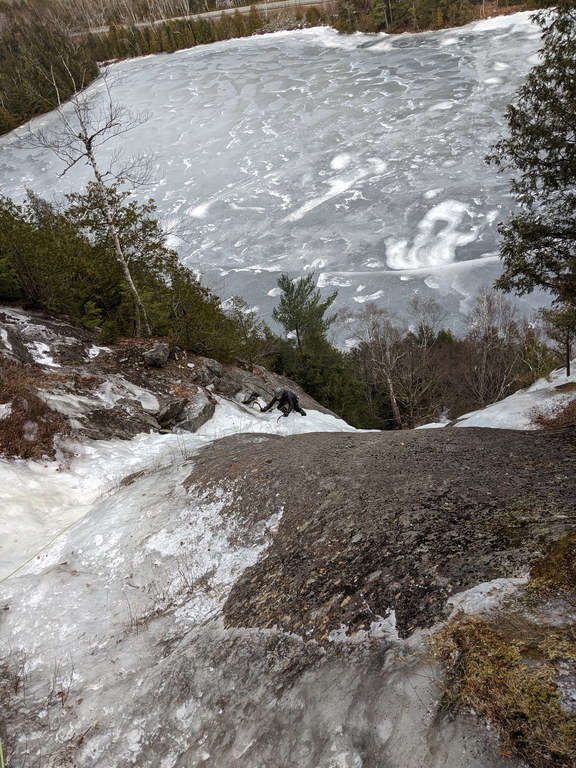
{"x": 286, "y": 402}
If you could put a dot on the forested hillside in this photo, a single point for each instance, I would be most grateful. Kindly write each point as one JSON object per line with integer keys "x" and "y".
{"x": 39, "y": 64}
{"x": 402, "y": 371}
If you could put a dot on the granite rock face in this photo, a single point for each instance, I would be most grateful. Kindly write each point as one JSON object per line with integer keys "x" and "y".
{"x": 131, "y": 387}
{"x": 388, "y": 523}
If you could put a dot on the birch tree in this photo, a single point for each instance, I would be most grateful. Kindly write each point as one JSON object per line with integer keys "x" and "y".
{"x": 380, "y": 347}
{"x": 87, "y": 121}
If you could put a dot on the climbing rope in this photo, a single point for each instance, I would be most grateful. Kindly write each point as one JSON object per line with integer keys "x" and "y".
{"x": 19, "y": 568}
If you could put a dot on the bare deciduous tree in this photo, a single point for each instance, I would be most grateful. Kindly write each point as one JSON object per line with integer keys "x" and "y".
{"x": 429, "y": 316}
{"x": 379, "y": 341}
{"x": 87, "y": 121}
{"x": 493, "y": 331}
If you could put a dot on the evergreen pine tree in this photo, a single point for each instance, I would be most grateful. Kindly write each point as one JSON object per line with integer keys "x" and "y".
{"x": 561, "y": 328}
{"x": 539, "y": 241}
{"x": 254, "y": 22}
{"x": 302, "y": 312}
{"x": 379, "y": 16}
{"x": 237, "y": 25}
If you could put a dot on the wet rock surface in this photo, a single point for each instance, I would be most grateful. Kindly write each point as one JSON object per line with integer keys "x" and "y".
{"x": 379, "y": 522}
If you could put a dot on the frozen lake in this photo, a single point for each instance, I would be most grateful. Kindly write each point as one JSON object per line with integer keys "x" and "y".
{"x": 358, "y": 157}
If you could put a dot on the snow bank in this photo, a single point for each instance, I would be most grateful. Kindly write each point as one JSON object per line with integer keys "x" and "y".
{"x": 518, "y": 410}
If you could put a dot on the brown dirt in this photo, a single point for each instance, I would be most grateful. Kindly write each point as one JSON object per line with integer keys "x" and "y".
{"x": 379, "y": 521}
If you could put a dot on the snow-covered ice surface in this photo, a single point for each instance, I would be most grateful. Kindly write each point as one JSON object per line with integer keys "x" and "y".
{"x": 359, "y": 157}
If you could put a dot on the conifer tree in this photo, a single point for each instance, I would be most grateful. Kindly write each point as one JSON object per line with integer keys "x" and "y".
{"x": 302, "y": 312}
{"x": 539, "y": 241}
{"x": 237, "y": 25}
{"x": 167, "y": 42}
{"x": 225, "y": 25}
{"x": 347, "y": 17}
{"x": 309, "y": 358}
{"x": 379, "y": 16}
{"x": 254, "y": 21}
{"x": 561, "y": 328}
{"x": 35, "y": 63}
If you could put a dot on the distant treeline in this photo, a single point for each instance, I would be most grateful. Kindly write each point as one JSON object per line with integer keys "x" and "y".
{"x": 43, "y": 56}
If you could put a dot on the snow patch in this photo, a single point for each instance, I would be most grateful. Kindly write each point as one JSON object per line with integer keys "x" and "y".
{"x": 4, "y": 337}
{"x": 436, "y": 241}
{"x": 341, "y": 161}
{"x": 521, "y": 19}
{"x": 40, "y": 353}
{"x": 325, "y": 280}
{"x": 199, "y": 211}
{"x": 94, "y": 351}
{"x": 117, "y": 388}
{"x": 337, "y": 187}
{"x": 371, "y": 297}
{"x": 382, "y": 629}
{"x": 518, "y": 410}
{"x": 441, "y": 106}
{"x": 484, "y": 597}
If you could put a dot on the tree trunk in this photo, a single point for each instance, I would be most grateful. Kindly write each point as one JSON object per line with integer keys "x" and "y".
{"x": 394, "y": 403}
{"x": 141, "y": 316}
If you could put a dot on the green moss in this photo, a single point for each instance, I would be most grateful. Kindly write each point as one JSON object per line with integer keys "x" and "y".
{"x": 506, "y": 680}
{"x": 527, "y": 519}
{"x": 560, "y": 644}
{"x": 557, "y": 570}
